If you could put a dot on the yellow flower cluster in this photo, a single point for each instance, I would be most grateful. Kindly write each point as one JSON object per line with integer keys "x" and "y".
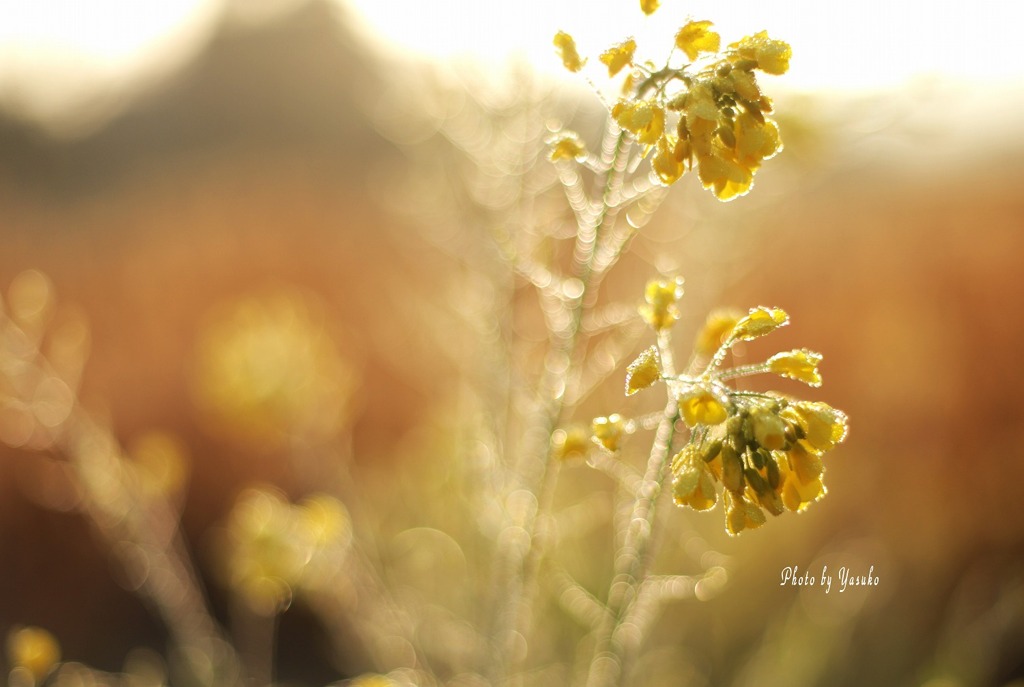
{"x": 273, "y": 546}
{"x": 707, "y": 113}
{"x": 764, "y": 449}
{"x": 766, "y": 453}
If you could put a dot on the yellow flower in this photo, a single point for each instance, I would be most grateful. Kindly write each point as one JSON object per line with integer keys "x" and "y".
{"x": 644, "y": 118}
{"x": 756, "y": 141}
{"x": 643, "y": 372}
{"x": 717, "y": 327}
{"x": 609, "y": 431}
{"x": 566, "y": 47}
{"x": 570, "y": 443}
{"x": 745, "y": 85}
{"x": 322, "y": 521}
{"x": 649, "y": 6}
{"x": 772, "y": 56}
{"x": 692, "y": 484}
{"x": 823, "y": 426}
{"x": 741, "y": 514}
{"x": 769, "y": 429}
{"x": 267, "y": 372}
{"x": 33, "y": 649}
{"x": 567, "y": 145}
{"x": 660, "y": 310}
{"x": 263, "y": 558}
{"x": 618, "y": 56}
{"x": 726, "y": 178}
{"x": 697, "y": 37}
{"x": 700, "y": 133}
{"x": 668, "y": 162}
{"x": 799, "y": 364}
{"x": 758, "y": 322}
{"x": 801, "y": 472}
{"x": 700, "y": 104}
{"x": 701, "y": 406}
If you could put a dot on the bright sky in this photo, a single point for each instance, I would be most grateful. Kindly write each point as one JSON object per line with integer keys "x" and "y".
{"x": 55, "y": 53}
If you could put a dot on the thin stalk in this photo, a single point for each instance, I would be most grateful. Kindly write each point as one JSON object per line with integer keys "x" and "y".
{"x": 519, "y": 564}
{"x": 147, "y": 534}
{"x": 632, "y": 558}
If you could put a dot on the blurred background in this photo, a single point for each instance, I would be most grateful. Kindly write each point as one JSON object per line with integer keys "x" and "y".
{"x": 185, "y": 171}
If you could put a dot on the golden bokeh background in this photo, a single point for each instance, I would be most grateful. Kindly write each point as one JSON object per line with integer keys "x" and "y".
{"x": 272, "y": 293}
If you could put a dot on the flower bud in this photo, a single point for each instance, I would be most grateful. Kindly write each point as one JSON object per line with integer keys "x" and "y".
{"x": 644, "y": 371}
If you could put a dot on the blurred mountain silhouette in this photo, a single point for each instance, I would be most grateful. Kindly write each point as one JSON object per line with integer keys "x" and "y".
{"x": 292, "y": 84}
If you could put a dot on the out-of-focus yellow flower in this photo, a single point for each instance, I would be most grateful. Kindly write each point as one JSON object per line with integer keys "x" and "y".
{"x": 772, "y": 56}
{"x": 571, "y": 443}
{"x": 619, "y": 56}
{"x": 372, "y": 680}
{"x": 758, "y": 322}
{"x": 161, "y": 464}
{"x": 701, "y": 406}
{"x": 649, "y": 6}
{"x": 799, "y": 364}
{"x": 609, "y": 431}
{"x": 33, "y": 649}
{"x": 267, "y": 371}
{"x": 716, "y": 329}
{"x": 661, "y": 295}
{"x": 697, "y": 37}
{"x": 321, "y": 521}
{"x": 264, "y": 560}
{"x": 823, "y": 426}
{"x": 566, "y": 47}
{"x": 274, "y": 547}
{"x": 644, "y": 371}
{"x": 567, "y": 145}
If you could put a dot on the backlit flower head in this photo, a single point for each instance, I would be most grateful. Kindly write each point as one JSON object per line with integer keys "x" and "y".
{"x": 763, "y": 451}
{"x": 702, "y": 109}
